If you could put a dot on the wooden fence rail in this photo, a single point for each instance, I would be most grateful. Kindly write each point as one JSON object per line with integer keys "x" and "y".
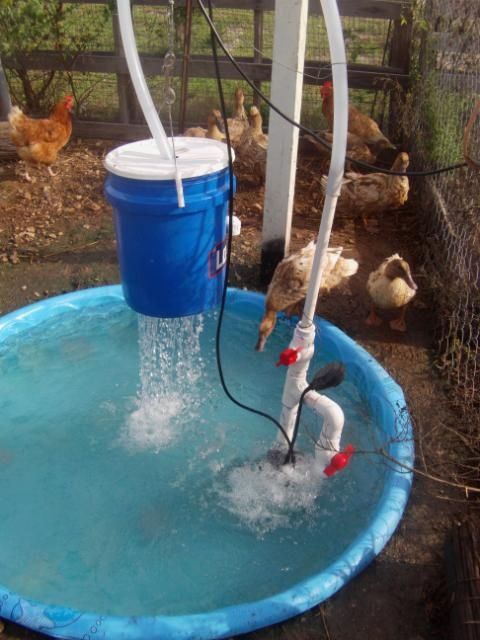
{"x": 381, "y": 9}
{"x": 258, "y": 68}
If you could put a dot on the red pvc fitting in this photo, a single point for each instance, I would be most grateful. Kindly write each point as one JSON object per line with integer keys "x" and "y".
{"x": 339, "y": 461}
{"x": 288, "y": 356}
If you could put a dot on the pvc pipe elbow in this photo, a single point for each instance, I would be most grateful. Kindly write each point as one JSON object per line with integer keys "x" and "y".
{"x": 332, "y": 413}
{"x": 328, "y": 443}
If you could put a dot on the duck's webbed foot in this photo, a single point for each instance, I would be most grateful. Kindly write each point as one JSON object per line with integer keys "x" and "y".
{"x": 399, "y": 324}
{"x": 373, "y": 319}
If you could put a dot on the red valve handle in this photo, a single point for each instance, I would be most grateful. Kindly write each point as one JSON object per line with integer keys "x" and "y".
{"x": 288, "y": 356}
{"x": 339, "y": 461}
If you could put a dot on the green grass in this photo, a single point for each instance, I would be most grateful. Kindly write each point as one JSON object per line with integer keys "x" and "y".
{"x": 444, "y": 111}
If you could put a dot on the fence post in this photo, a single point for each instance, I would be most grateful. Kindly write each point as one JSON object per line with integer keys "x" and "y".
{"x": 400, "y": 51}
{"x": 258, "y": 47}
{"x": 187, "y": 42}
{"x": 123, "y": 80}
{"x": 286, "y": 92}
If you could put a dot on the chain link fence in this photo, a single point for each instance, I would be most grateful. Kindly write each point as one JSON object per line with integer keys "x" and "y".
{"x": 445, "y": 90}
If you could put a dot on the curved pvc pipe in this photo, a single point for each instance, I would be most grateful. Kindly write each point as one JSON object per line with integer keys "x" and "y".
{"x": 339, "y": 148}
{"x": 304, "y": 335}
{"x": 138, "y": 79}
{"x": 296, "y": 379}
{"x": 295, "y": 384}
{"x": 328, "y": 443}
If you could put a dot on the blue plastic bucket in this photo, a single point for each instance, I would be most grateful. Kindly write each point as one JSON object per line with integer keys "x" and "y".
{"x": 172, "y": 260}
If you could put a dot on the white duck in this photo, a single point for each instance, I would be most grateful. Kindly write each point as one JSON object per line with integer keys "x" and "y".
{"x": 391, "y": 286}
{"x": 215, "y": 129}
{"x": 290, "y": 281}
{"x": 373, "y": 193}
{"x": 238, "y": 123}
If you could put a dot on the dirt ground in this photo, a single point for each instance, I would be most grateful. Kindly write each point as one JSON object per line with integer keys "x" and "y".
{"x": 56, "y": 235}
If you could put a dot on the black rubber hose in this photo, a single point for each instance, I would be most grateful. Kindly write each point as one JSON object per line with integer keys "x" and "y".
{"x": 229, "y": 255}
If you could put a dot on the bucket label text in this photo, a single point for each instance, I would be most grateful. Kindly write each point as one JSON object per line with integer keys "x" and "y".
{"x": 217, "y": 259}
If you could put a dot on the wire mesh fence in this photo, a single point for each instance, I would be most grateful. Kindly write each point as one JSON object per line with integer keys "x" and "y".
{"x": 81, "y": 42}
{"x": 445, "y": 89}
{"x": 367, "y": 40}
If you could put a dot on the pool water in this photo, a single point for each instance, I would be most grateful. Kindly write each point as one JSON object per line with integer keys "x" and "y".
{"x": 124, "y": 501}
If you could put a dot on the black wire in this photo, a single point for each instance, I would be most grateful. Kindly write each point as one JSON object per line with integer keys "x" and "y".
{"x": 290, "y": 457}
{"x": 299, "y": 413}
{"x": 229, "y": 254}
{"x": 360, "y": 163}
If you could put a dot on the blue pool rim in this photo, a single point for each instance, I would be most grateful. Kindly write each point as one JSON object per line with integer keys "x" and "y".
{"x": 387, "y": 404}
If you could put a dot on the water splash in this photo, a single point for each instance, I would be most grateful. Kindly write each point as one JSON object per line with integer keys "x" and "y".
{"x": 171, "y": 365}
{"x": 265, "y": 496}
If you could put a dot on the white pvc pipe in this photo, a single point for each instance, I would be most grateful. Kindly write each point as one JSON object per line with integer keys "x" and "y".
{"x": 328, "y": 443}
{"x": 339, "y": 147}
{"x": 296, "y": 379}
{"x": 138, "y": 79}
{"x": 304, "y": 335}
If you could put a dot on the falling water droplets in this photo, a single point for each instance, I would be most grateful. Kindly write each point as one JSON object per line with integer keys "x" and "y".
{"x": 171, "y": 366}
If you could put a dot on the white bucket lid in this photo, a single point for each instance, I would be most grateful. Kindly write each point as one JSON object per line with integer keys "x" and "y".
{"x": 141, "y": 160}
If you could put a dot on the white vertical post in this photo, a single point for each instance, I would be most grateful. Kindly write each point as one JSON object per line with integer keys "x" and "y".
{"x": 286, "y": 91}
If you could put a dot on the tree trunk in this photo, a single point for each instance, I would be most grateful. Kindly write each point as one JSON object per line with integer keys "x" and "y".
{"x": 7, "y": 149}
{"x": 5, "y": 102}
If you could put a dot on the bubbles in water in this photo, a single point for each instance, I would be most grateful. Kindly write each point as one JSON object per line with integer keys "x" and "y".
{"x": 151, "y": 425}
{"x": 171, "y": 366}
{"x": 265, "y": 496}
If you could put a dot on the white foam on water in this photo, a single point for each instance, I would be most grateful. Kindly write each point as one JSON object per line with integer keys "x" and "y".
{"x": 151, "y": 426}
{"x": 171, "y": 366}
{"x": 264, "y": 496}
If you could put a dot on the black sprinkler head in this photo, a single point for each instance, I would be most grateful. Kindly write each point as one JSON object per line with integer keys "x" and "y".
{"x": 331, "y": 375}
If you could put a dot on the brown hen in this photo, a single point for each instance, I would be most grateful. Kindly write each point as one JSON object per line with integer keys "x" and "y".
{"x": 39, "y": 140}
{"x": 358, "y": 123}
{"x": 356, "y": 148}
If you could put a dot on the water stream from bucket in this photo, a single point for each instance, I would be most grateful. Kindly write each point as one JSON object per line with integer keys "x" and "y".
{"x": 171, "y": 364}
